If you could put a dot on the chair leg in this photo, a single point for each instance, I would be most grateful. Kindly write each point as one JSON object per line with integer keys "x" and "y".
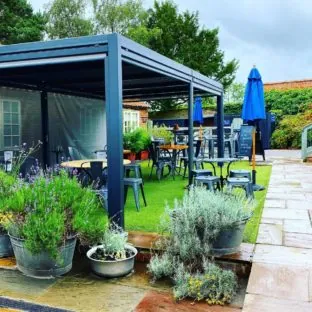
{"x": 143, "y": 195}
{"x": 136, "y": 197}
{"x": 185, "y": 168}
{"x": 150, "y": 176}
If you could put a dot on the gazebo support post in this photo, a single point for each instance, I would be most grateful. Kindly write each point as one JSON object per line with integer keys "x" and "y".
{"x": 220, "y": 125}
{"x": 45, "y": 128}
{"x": 190, "y": 133}
{"x": 113, "y": 93}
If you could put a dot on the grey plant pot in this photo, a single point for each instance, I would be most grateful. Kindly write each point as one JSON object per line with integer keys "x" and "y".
{"x": 112, "y": 269}
{"x": 229, "y": 241}
{"x": 41, "y": 265}
{"x": 6, "y": 249}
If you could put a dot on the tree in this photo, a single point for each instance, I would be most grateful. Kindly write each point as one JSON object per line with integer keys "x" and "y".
{"x": 235, "y": 93}
{"x": 117, "y": 15}
{"x": 67, "y": 18}
{"x": 19, "y": 23}
{"x": 184, "y": 40}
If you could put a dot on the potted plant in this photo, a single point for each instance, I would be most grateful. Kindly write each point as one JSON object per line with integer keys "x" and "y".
{"x": 136, "y": 141}
{"x": 163, "y": 133}
{"x": 46, "y": 218}
{"x": 195, "y": 231}
{"x": 113, "y": 257}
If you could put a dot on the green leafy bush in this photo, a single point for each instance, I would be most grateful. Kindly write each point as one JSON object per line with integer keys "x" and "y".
{"x": 137, "y": 140}
{"x": 288, "y": 133}
{"x": 51, "y": 210}
{"x": 191, "y": 228}
{"x": 162, "y": 132}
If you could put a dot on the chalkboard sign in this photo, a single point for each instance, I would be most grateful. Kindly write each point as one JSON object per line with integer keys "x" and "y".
{"x": 245, "y": 141}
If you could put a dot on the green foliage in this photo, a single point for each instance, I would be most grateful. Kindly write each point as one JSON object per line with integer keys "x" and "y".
{"x": 51, "y": 210}
{"x": 137, "y": 140}
{"x": 191, "y": 228}
{"x": 235, "y": 93}
{"x": 215, "y": 285}
{"x": 19, "y": 23}
{"x": 118, "y": 15}
{"x": 288, "y": 133}
{"x": 162, "y": 132}
{"x": 186, "y": 41}
{"x": 114, "y": 243}
{"x": 290, "y": 102}
{"x": 67, "y": 18}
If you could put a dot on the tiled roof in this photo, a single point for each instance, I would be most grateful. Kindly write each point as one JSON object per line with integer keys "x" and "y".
{"x": 135, "y": 105}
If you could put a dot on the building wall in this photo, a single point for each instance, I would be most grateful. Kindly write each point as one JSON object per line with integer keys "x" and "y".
{"x": 284, "y": 85}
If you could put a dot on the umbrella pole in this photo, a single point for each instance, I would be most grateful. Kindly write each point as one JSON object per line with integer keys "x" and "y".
{"x": 256, "y": 187}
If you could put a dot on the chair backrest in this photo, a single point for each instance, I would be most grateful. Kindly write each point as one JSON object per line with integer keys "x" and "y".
{"x": 73, "y": 152}
{"x": 154, "y": 150}
{"x": 27, "y": 166}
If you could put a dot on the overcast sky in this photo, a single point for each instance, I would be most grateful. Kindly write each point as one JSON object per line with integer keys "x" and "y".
{"x": 275, "y": 35}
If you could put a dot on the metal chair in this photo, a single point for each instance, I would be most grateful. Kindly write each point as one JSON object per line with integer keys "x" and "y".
{"x": 201, "y": 173}
{"x": 135, "y": 183}
{"x": 243, "y": 183}
{"x": 197, "y": 160}
{"x": 211, "y": 182}
{"x": 133, "y": 167}
{"x": 159, "y": 162}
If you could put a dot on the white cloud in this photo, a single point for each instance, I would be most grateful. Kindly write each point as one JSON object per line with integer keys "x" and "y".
{"x": 273, "y": 34}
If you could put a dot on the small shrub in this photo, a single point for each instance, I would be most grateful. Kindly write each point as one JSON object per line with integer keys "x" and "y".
{"x": 51, "y": 210}
{"x": 191, "y": 228}
{"x": 162, "y": 132}
{"x": 137, "y": 140}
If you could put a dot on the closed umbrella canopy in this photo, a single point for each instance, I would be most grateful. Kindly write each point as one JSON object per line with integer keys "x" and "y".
{"x": 198, "y": 110}
{"x": 254, "y": 107}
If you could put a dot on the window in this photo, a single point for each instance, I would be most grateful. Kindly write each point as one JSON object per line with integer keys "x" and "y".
{"x": 11, "y": 123}
{"x": 131, "y": 120}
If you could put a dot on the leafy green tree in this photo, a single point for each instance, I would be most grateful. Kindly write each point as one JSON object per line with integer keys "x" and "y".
{"x": 67, "y": 18}
{"x": 117, "y": 15}
{"x": 184, "y": 40}
{"x": 235, "y": 93}
{"x": 19, "y": 23}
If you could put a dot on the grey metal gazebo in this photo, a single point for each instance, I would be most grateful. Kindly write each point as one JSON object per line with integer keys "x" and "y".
{"x": 108, "y": 67}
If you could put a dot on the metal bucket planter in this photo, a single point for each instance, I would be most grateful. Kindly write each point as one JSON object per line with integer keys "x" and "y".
{"x": 228, "y": 241}
{"x": 41, "y": 265}
{"x": 6, "y": 249}
{"x": 115, "y": 268}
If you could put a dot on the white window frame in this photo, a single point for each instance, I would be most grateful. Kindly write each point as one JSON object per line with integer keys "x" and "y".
{"x": 134, "y": 120}
{"x": 2, "y": 124}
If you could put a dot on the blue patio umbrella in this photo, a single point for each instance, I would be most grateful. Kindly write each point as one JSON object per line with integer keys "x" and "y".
{"x": 198, "y": 110}
{"x": 254, "y": 107}
{"x": 253, "y": 111}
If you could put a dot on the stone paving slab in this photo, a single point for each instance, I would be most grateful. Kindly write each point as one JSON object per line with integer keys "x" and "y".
{"x": 275, "y": 203}
{"x": 300, "y": 226}
{"x": 294, "y": 204}
{"x": 282, "y": 255}
{"x": 274, "y": 280}
{"x": 270, "y": 234}
{"x": 298, "y": 240}
{"x": 284, "y": 214}
{"x": 271, "y": 221}
{"x": 258, "y": 303}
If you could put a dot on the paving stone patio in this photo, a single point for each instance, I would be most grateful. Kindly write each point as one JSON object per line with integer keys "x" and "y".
{"x": 281, "y": 274}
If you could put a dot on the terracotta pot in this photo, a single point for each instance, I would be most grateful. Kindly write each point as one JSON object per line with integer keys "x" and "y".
{"x": 143, "y": 155}
{"x": 132, "y": 157}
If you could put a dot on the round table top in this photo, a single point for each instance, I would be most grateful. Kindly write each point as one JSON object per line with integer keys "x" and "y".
{"x": 85, "y": 163}
{"x": 125, "y": 151}
{"x": 173, "y": 147}
{"x": 219, "y": 160}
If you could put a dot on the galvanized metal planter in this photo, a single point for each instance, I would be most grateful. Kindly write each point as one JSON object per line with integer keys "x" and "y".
{"x": 6, "y": 249}
{"x": 115, "y": 268}
{"x": 42, "y": 265}
{"x": 229, "y": 241}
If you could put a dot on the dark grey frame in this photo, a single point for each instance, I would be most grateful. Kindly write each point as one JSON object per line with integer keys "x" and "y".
{"x": 25, "y": 66}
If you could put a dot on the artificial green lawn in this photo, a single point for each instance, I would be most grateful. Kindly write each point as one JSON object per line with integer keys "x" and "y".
{"x": 158, "y": 193}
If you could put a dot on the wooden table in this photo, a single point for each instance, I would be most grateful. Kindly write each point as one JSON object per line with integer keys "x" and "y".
{"x": 85, "y": 163}
{"x": 175, "y": 150}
